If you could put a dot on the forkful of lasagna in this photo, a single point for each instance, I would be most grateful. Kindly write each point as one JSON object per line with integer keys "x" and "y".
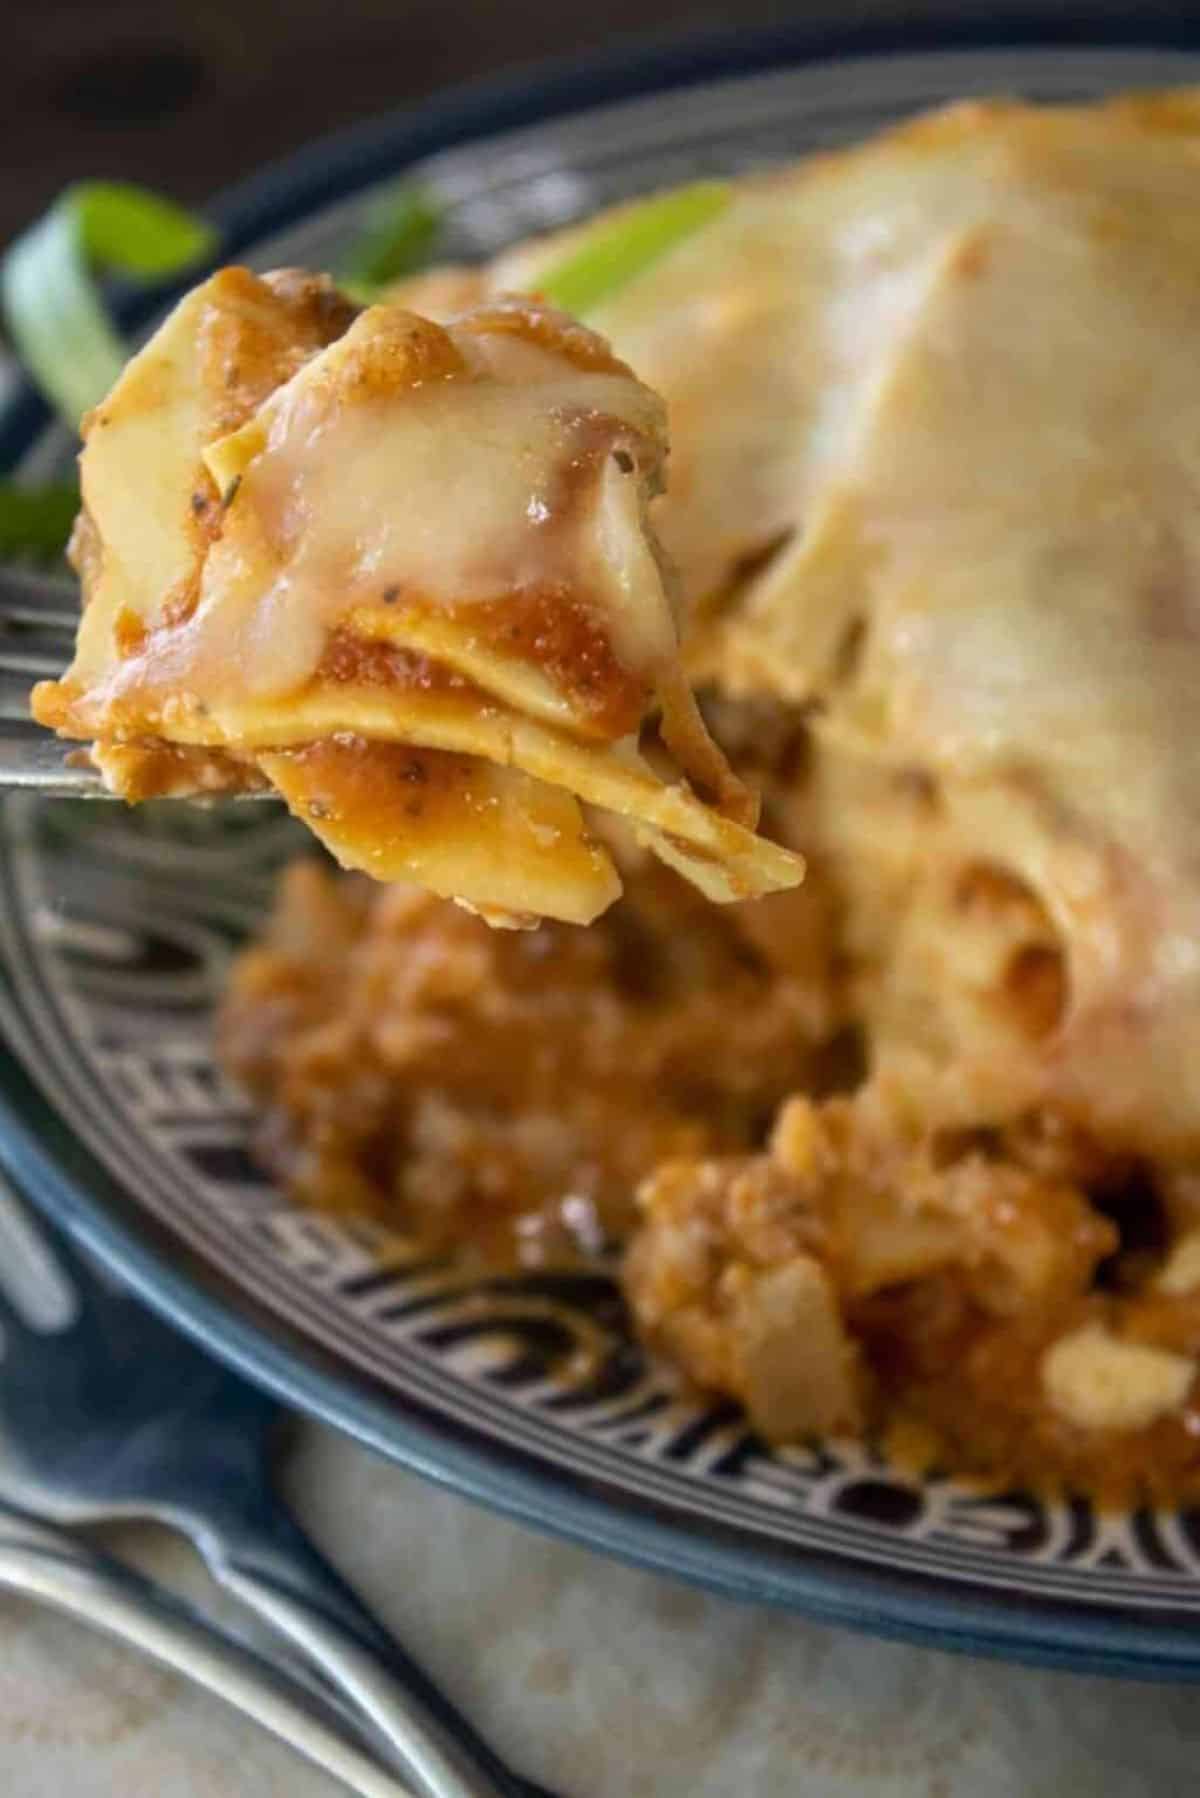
{"x": 403, "y": 574}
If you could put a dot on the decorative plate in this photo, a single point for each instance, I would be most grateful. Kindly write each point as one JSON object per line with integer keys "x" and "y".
{"x": 116, "y": 929}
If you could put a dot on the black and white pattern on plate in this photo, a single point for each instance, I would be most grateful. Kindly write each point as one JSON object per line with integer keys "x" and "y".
{"x": 117, "y": 930}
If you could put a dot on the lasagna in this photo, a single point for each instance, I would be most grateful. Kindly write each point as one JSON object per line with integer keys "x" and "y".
{"x": 913, "y": 1149}
{"x": 402, "y": 573}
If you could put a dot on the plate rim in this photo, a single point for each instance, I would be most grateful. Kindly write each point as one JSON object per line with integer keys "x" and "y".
{"x": 60, "y": 1174}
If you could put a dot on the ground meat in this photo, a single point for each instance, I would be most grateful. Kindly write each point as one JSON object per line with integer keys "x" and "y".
{"x": 966, "y": 1310}
{"x": 502, "y": 1093}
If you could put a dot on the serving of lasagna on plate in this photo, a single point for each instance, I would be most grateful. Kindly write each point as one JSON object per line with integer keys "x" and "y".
{"x": 911, "y": 1147}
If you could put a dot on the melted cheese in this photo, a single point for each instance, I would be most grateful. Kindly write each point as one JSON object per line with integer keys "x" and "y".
{"x": 935, "y": 409}
{"x": 420, "y": 538}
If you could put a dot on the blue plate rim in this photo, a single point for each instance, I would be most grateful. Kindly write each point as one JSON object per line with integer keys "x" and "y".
{"x": 57, "y": 1172}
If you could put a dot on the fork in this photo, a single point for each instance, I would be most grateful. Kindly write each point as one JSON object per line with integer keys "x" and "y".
{"x": 105, "y": 1413}
{"x": 38, "y": 617}
{"x": 44, "y": 1563}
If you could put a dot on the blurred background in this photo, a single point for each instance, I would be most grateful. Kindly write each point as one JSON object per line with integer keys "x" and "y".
{"x": 189, "y": 96}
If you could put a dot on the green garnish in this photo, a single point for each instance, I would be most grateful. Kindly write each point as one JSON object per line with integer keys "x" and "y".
{"x": 618, "y": 250}
{"x": 48, "y": 287}
{"x": 398, "y": 237}
{"x": 35, "y": 522}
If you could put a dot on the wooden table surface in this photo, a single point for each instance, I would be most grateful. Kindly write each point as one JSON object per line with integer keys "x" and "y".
{"x": 189, "y": 97}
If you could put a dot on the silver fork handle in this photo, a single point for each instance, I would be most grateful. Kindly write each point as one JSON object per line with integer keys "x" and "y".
{"x": 256, "y": 1549}
{"x": 439, "y": 1766}
{"x": 43, "y": 1563}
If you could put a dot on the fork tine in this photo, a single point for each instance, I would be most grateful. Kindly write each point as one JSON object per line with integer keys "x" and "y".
{"x": 37, "y": 629}
{"x": 33, "y": 650}
{"x": 30, "y": 668}
{"x": 40, "y": 606}
{"x": 14, "y": 695}
{"x": 33, "y": 646}
{"x": 38, "y": 616}
{"x": 33, "y": 761}
{"x": 62, "y": 619}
